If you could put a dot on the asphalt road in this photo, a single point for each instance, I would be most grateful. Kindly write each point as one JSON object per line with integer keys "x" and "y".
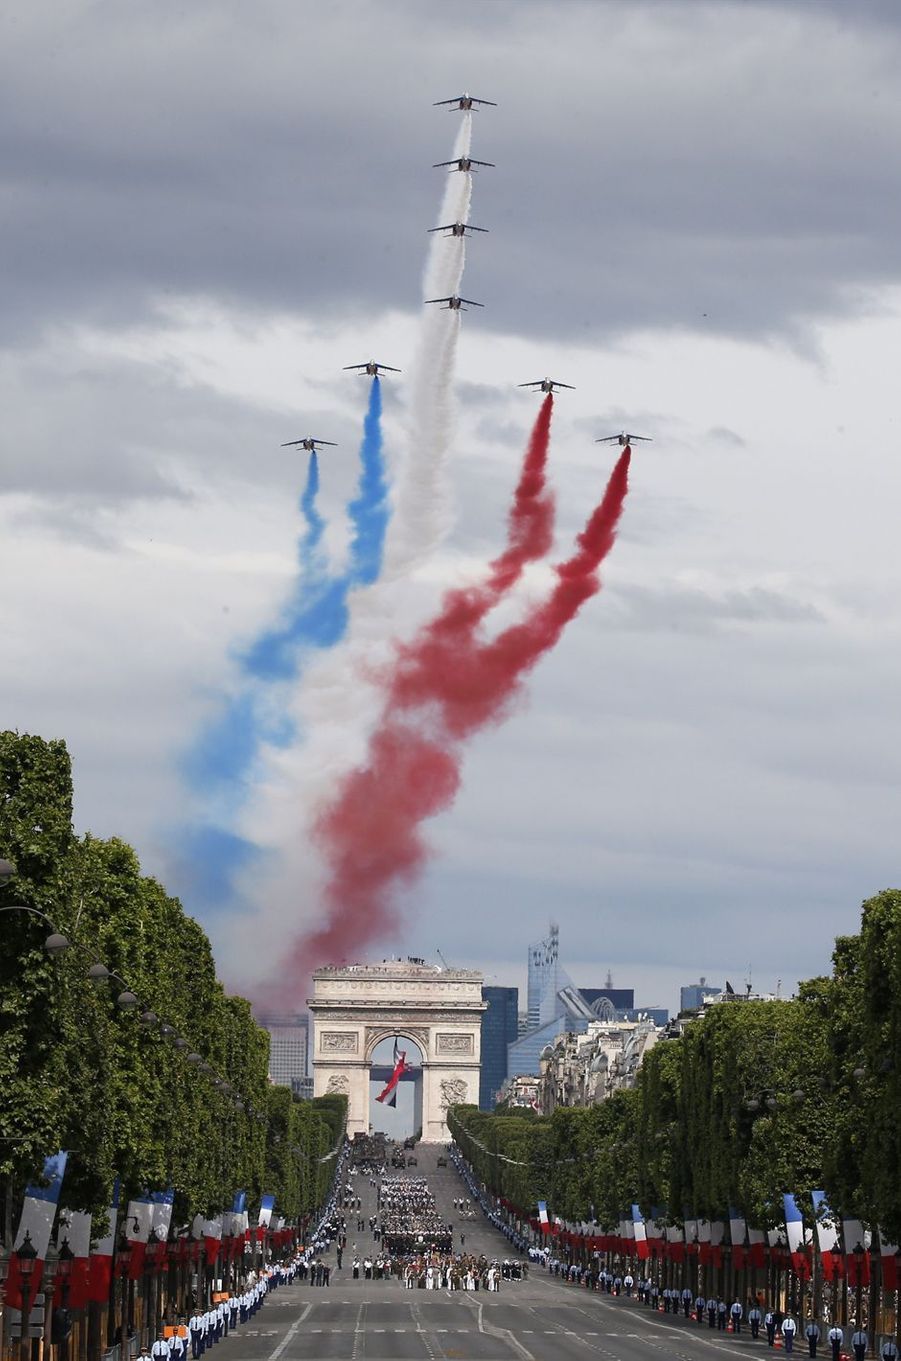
{"x": 541, "y": 1319}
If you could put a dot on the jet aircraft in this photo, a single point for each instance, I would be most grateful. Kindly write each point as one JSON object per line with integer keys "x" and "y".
{"x": 455, "y": 304}
{"x": 464, "y": 101}
{"x": 547, "y": 385}
{"x": 622, "y": 439}
{"x": 371, "y": 367}
{"x": 457, "y": 228}
{"x": 462, "y": 163}
{"x": 309, "y": 443}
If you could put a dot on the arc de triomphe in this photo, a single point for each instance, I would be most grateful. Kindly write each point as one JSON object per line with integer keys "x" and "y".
{"x": 358, "y": 1005}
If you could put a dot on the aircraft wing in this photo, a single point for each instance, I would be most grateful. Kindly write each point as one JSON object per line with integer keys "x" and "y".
{"x": 290, "y": 442}
{"x": 438, "y": 102}
{"x": 473, "y": 161}
{"x": 476, "y": 229}
{"x": 330, "y": 442}
{"x": 354, "y": 366}
{"x": 439, "y": 165}
{"x": 645, "y": 439}
{"x": 564, "y": 385}
{"x": 428, "y": 300}
{"x": 537, "y": 384}
{"x": 607, "y": 439}
{"x": 471, "y": 303}
{"x": 389, "y": 369}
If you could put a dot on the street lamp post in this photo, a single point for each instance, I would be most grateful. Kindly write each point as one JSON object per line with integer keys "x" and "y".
{"x": 62, "y": 1323}
{"x": 123, "y": 1263}
{"x": 858, "y": 1284}
{"x": 27, "y": 1257}
{"x": 150, "y": 1266}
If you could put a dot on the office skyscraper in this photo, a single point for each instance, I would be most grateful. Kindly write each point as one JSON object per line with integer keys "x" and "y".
{"x": 544, "y": 979}
{"x": 691, "y": 997}
{"x": 289, "y": 1042}
{"x": 499, "y": 1028}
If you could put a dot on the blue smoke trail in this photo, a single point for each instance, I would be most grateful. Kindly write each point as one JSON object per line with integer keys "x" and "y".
{"x": 221, "y": 764}
{"x": 318, "y": 618}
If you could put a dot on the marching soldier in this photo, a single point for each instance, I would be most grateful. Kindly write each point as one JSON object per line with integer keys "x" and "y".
{"x": 859, "y": 1343}
{"x": 789, "y": 1328}
{"x": 686, "y": 1302}
{"x": 836, "y": 1338}
{"x": 735, "y": 1313}
{"x": 754, "y": 1318}
{"x": 889, "y": 1350}
{"x": 160, "y": 1349}
{"x": 700, "y": 1306}
{"x": 812, "y": 1333}
{"x": 196, "y": 1331}
{"x": 711, "y": 1312}
{"x": 769, "y": 1322}
{"x": 721, "y": 1315}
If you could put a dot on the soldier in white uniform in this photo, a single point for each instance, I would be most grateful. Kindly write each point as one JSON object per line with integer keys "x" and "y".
{"x": 836, "y": 1338}
{"x": 859, "y": 1343}
{"x": 812, "y": 1333}
{"x": 196, "y": 1330}
{"x": 160, "y": 1349}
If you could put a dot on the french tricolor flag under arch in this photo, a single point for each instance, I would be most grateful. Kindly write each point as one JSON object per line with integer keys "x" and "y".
{"x": 38, "y": 1214}
{"x": 389, "y": 1095}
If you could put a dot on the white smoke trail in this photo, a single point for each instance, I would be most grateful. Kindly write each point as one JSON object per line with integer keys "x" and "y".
{"x": 335, "y": 707}
{"x": 422, "y": 510}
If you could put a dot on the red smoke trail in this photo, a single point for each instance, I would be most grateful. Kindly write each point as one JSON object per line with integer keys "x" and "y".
{"x": 371, "y": 833}
{"x": 530, "y": 531}
{"x": 475, "y": 686}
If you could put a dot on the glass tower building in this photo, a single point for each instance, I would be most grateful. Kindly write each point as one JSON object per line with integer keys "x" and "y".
{"x": 499, "y": 1027}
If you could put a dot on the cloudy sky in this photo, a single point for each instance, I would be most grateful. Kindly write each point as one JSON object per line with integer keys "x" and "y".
{"x": 209, "y": 208}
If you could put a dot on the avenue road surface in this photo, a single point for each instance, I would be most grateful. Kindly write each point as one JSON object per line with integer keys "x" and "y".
{"x": 535, "y": 1320}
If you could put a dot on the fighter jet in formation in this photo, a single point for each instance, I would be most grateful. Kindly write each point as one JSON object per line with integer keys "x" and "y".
{"x": 371, "y": 367}
{"x": 462, "y": 163}
{"x": 546, "y": 385}
{"x": 455, "y": 304}
{"x": 464, "y": 101}
{"x": 622, "y": 439}
{"x": 309, "y": 443}
{"x": 457, "y": 228}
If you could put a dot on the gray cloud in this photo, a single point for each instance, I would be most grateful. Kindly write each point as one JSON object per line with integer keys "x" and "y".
{"x": 117, "y": 431}
{"x": 684, "y": 609}
{"x": 655, "y": 165}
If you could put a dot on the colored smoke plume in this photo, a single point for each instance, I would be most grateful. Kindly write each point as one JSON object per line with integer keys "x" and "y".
{"x": 338, "y": 707}
{"x": 224, "y": 762}
{"x": 372, "y": 833}
{"x": 317, "y": 614}
{"x": 422, "y": 512}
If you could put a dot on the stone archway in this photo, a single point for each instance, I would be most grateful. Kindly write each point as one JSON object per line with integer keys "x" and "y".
{"x": 357, "y": 1006}
{"x": 404, "y": 1116}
